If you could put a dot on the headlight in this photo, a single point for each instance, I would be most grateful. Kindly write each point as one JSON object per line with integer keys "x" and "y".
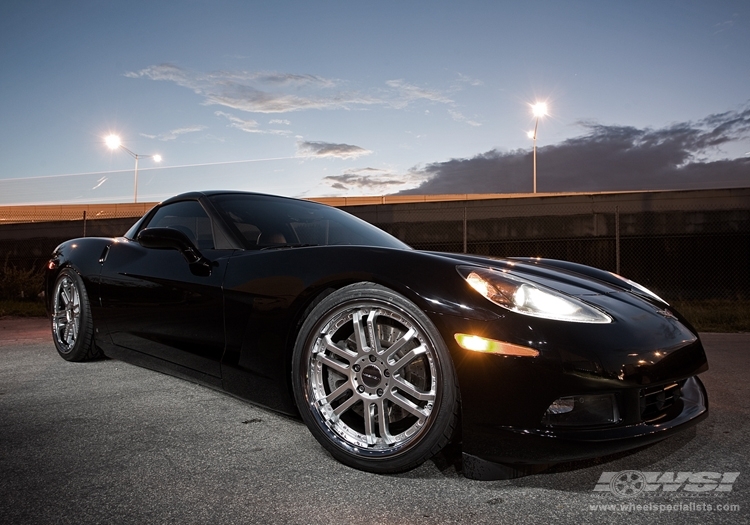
{"x": 528, "y": 298}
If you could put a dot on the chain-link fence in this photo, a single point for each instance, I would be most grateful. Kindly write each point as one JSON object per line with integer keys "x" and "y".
{"x": 682, "y": 245}
{"x": 692, "y": 245}
{"x": 29, "y": 234}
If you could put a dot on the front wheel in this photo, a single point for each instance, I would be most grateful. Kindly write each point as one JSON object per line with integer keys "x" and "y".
{"x": 72, "y": 325}
{"x": 374, "y": 381}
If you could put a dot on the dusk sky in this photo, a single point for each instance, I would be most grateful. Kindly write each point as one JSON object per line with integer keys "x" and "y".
{"x": 311, "y": 99}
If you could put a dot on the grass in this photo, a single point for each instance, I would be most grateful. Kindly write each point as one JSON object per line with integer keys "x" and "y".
{"x": 19, "y": 283}
{"x": 22, "y": 308}
{"x": 20, "y": 291}
{"x": 715, "y": 315}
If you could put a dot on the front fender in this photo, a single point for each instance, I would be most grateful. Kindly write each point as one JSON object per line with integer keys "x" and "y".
{"x": 84, "y": 256}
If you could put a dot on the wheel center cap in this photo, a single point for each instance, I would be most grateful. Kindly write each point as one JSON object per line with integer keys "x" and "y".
{"x": 371, "y": 376}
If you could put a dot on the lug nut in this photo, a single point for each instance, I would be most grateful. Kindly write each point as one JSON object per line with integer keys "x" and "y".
{"x": 380, "y": 392}
{"x": 357, "y": 368}
{"x": 373, "y": 358}
{"x": 386, "y": 373}
{"x": 361, "y": 389}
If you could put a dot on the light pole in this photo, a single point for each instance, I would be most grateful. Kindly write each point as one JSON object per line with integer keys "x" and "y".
{"x": 113, "y": 142}
{"x": 539, "y": 110}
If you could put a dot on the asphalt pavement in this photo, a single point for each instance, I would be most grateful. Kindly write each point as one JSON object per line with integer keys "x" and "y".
{"x": 107, "y": 442}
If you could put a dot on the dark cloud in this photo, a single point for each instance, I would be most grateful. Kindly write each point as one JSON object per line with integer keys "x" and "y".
{"x": 606, "y": 158}
{"x": 327, "y": 149}
{"x": 371, "y": 179}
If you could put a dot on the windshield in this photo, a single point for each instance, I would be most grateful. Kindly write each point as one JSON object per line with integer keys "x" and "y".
{"x": 264, "y": 222}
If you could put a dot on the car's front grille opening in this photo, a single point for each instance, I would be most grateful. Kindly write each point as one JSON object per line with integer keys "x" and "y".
{"x": 657, "y": 400}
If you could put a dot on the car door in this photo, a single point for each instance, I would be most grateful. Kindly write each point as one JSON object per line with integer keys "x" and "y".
{"x": 156, "y": 303}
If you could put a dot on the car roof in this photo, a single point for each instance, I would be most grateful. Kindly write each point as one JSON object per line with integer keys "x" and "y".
{"x": 210, "y": 193}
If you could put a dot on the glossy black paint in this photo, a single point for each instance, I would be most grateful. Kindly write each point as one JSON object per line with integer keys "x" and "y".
{"x": 229, "y": 317}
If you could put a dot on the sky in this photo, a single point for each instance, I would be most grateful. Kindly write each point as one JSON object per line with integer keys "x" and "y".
{"x": 328, "y": 98}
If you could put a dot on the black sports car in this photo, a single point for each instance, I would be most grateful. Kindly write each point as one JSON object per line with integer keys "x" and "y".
{"x": 388, "y": 354}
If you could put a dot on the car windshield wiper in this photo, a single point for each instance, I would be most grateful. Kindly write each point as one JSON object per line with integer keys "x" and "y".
{"x": 290, "y": 245}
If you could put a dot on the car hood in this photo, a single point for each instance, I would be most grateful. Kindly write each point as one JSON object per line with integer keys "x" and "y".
{"x": 647, "y": 342}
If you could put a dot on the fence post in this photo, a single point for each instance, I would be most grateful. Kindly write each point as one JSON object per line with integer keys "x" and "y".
{"x": 84, "y": 223}
{"x": 617, "y": 239}
{"x": 464, "y": 228}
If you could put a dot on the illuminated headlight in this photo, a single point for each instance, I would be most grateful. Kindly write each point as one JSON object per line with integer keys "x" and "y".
{"x": 589, "y": 410}
{"x": 528, "y": 298}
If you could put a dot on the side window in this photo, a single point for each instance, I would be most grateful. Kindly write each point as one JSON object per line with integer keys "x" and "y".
{"x": 190, "y": 218}
{"x": 249, "y": 231}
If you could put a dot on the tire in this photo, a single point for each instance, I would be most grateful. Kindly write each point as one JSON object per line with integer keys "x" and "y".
{"x": 365, "y": 351}
{"x": 72, "y": 325}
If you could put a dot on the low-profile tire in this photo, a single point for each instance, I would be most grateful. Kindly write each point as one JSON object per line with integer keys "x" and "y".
{"x": 365, "y": 351}
{"x": 72, "y": 325}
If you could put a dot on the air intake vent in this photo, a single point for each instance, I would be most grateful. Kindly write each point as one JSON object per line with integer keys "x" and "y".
{"x": 657, "y": 400}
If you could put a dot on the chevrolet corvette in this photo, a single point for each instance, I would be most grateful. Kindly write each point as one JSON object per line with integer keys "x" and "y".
{"x": 388, "y": 354}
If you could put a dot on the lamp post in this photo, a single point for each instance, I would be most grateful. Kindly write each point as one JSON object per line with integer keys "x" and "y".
{"x": 539, "y": 110}
{"x": 113, "y": 142}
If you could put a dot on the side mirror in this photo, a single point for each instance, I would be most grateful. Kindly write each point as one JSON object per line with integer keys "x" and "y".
{"x": 173, "y": 239}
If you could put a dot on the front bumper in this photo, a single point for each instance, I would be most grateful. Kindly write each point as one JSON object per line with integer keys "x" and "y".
{"x": 504, "y": 444}
{"x": 639, "y": 357}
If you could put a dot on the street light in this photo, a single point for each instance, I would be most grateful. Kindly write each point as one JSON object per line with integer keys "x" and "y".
{"x": 539, "y": 110}
{"x": 113, "y": 142}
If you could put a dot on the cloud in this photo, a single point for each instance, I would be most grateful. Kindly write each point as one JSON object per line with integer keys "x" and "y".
{"x": 236, "y": 122}
{"x": 408, "y": 93}
{"x": 725, "y": 25}
{"x": 283, "y": 122}
{"x": 243, "y": 90}
{"x": 459, "y": 117}
{"x": 289, "y": 79}
{"x": 606, "y": 157}
{"x": 372, "y": 180}
{"x": 276, "y": 92}
{"x": 173, "y": 134}
{"x": 250, "y": 125}
{"x": 327, "y": 149}
{"x": 468, "y": 80}
{"x": 250, "y": 99}
{"x": 258, "y": 92}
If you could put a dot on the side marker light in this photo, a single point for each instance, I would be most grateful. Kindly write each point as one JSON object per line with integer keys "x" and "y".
{"x": 476, "y": 343}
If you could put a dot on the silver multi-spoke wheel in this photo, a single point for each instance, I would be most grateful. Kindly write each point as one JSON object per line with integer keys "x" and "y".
{"x": 66, "y": 313}
{"x": 72, "y": 326}
{"x": 373, "y": 375}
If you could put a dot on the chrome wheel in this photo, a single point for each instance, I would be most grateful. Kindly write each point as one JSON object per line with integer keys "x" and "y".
{"x": 372, "y": 377}
{"x": 72, "y": 326}
{"x": 374, "y": 381}
{"x": 66, "y": 314}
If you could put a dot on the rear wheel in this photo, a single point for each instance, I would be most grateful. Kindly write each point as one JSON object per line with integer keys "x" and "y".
{"x": 72, "y": 326}
{"x": 374, "y": 381}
